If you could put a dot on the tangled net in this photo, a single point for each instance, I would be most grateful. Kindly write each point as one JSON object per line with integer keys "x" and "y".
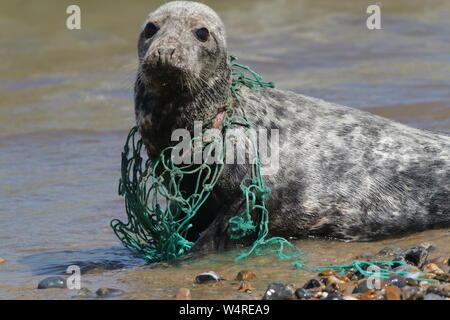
{"x": 159, "y": 213}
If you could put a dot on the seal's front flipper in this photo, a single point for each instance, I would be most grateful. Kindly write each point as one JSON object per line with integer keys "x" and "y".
{"x": 215, "y": 237}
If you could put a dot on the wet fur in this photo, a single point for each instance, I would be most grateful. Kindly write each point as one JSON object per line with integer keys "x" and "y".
{"x": 344, "y": 173}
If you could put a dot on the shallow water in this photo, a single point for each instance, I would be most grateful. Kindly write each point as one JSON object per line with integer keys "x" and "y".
{"x": 66, "y": 105}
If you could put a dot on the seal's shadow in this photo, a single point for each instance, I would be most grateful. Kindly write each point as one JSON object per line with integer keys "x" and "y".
{"x": 89, "y": 261}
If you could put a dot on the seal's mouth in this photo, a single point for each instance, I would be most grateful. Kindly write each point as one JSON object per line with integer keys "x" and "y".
{"x": 167, "y": 78}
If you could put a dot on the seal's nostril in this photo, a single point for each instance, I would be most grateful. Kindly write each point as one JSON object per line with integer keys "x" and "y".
{"x": 165, "y": 53}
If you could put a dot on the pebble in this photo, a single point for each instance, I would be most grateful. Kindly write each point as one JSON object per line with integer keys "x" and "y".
{"x": 444, "y": 267}
{"x": 246, "y": 287}
{"x": 52, "y": 282}
{"x": 333, "y": 288}
{"x": 327, "y": 273}
{"x": 313, "y": 283}
{"x": 392, "y": 293}
{"x": 443, "y": 277}
{"x": 302, "y": 293}
{"x": 332, "y": 280}
{"x": 428, "y": 246}
{"x": 183, "y": 294}
{"x": 411, "y": 282}
{"x": 432, "y": 268}
{"x": 406, "y": 267}
{"x": 354, "y": 275}
{"x": 207, "y": 277}
{"x": 416, "y": 255}
{"x": 432, "y": 296}
{"x": 84, "y": 292}
{"x": 411, "y": 293}
{"x": 332, "y": 297}
{"x": 438, "y": 291}
{"x": 278, "y": 291}
{"x": 390, "y": 250}
{"x": 397, "y": 280}
{"x": 109, "y": 292}
{"x": 361, "y": 287}
{"x": 371, "y": 294}
{"x": 2, "y": 260}
{"x": 245, "y": 275}
{"x": 440, "y": 260}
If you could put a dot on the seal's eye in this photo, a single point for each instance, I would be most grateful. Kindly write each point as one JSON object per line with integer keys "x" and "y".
{"x": 150, "y": 30}
{"x": 202, "y": 34}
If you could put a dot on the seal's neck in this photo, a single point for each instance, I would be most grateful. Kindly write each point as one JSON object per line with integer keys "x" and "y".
{"x": 160, "y": 112}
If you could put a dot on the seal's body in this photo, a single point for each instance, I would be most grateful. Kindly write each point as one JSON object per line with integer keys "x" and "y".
{"x": 343, "y": 173}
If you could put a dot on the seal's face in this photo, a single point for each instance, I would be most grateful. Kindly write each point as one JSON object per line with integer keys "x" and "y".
{"x": 181, "y": 45}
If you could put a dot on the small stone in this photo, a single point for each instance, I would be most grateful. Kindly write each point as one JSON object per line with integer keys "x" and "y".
{"x": 344, "y": 278}
{"x": 406, "y": 268}
{"x": 245, "y": 275}
{"x": 348, "y": 287}
{"x": 416, "y": 255}
{"x": 391, "y": 250}
{"x": 349, "y": 298}
{"x": 332, "y": 297}
{"x": 2, "y": 260}
{"x": 411, "y": 293}
{"x": 371, "y": 294}
{"x": 445, "y": 268}
{"x": 183, "y": 294}
{"x": 392, "y": 293}
{"x": 432, "y": 296}
{"x": 109, "y": 292}
{"x": 429, "y": 246}
{"x": 332, "y": 288}
{"x": 439, "y": 260}
{"x": 278, "y": 291}
{"x": 84, "y": 292}
{"x": 207, "y": 277}
{"x": 361, "y": 287}
{"x": 443, "y": 277}
{"x": 302, "y": 293}
{"x": 432, "y": 268}
{"x": 246, "y": 287}
{"x": 52, "y": 282}
{"x": 332, "y": 280}
{"x": 439, "y": 291}
{"x": 354, "y": 275}
{"x": 313, "y": 283}
{"x": 400, "y": 260}
{"x": 397, "y": 280}
{"x": 327, "y": 273}
{"x": 411, "y": 282}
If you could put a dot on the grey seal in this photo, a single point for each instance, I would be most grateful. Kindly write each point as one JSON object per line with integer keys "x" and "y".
{"x": 343, "y": 173}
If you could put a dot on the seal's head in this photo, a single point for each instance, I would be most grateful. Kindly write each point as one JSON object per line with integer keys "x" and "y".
{"x": 181, "y": 45}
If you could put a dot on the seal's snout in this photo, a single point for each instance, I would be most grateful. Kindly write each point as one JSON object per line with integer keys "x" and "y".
{"x": 165, "y": 55}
